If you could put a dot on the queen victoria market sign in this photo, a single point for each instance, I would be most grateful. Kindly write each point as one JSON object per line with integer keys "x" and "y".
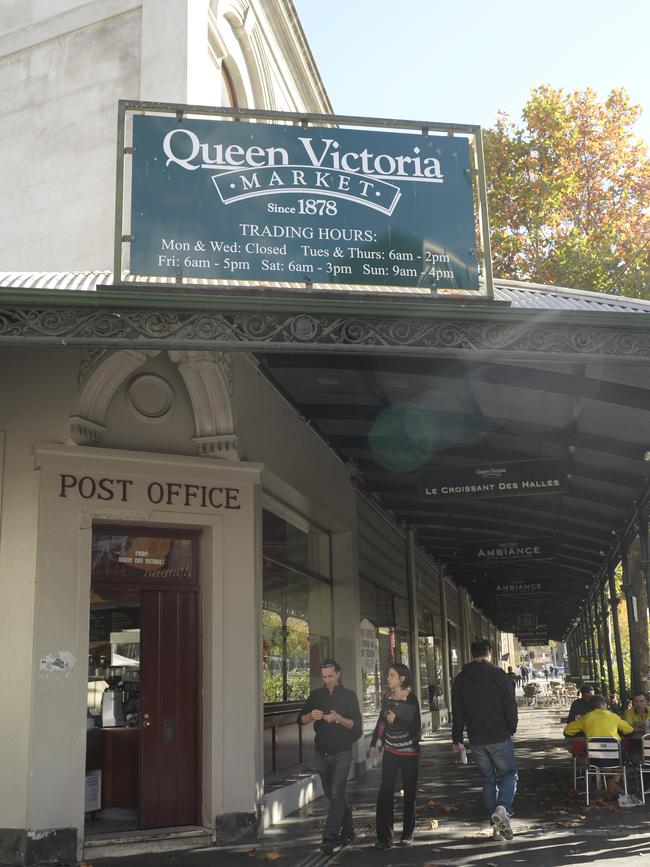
{"x": 217, "y": 199}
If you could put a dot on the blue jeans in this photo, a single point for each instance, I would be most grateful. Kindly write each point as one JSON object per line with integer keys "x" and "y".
{"x": 333, "y": 771}
{"x": 496, "y": 763}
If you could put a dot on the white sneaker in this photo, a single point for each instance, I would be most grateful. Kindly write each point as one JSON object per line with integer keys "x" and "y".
{"x": 496, "y": 834}
{"x": 501, "y": 822}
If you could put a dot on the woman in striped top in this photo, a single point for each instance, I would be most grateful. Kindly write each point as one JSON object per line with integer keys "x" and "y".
{"x": 398, "y": 727}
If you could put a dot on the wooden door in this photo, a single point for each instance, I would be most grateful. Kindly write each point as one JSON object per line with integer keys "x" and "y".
{"x": 169, "y": 716}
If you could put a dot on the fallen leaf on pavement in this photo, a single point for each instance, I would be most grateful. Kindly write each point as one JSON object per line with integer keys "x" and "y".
{"x": 272, "y": 856}
{"x": 449, "y": 808}
{"x": 433, "y": 824}
{"x": 431, "y": 804}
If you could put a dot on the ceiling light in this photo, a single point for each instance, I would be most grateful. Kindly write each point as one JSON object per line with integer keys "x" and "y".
{"x": 324, "y": 380}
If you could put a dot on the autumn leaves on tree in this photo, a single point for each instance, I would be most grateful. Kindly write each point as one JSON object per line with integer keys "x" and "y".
{"x": 569, "y": 193}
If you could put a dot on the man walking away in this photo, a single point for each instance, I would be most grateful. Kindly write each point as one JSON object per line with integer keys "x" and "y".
{"x": 335, "y": 713}
{"x": 483, "y": 701}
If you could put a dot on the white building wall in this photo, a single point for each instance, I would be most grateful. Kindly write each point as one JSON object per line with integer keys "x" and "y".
{"x": 59, "y": 91}
{"x": 63, "y": 68}
{"x": 32, "y": 408}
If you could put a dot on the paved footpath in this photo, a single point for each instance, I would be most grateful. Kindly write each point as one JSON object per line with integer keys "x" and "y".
{"x": 552, "y": 825}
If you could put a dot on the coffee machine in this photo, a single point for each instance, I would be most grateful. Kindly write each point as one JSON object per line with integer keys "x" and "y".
{"x": 112, "y": 709}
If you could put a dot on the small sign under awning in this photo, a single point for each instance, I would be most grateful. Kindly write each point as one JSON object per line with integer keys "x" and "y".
{"x": 485, "y": 481}
{"x": 518, "y": 587}
{"x": 509, "y": 550}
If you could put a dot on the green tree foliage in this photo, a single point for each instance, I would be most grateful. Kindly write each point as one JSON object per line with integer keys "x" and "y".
{"x": 291, "y": 639}
{"x": 624, "y": 627}
{"x": 569, "y": 193}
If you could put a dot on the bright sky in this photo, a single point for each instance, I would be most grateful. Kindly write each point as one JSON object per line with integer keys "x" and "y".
{"x": 446, "y": 61}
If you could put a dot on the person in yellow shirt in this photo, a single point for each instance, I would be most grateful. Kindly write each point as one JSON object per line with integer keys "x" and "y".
{"x": 601, "y": 723}
{"x": 637, "y": 715}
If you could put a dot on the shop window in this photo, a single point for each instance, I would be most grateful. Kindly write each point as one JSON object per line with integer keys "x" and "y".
{"x": 430, "y": 659}
{"x": 296, "y": 608}
{"x": 385, "y": 638}
{"x": 454, "y": 651}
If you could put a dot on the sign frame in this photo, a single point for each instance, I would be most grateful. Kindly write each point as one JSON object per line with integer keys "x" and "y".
{"x": 122, "y": 228}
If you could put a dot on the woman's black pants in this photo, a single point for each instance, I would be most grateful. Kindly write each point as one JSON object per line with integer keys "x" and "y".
{"x": 408, "y": 767}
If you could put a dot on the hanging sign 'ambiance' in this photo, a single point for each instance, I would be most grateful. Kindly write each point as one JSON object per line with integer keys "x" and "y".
{"x": 217, "y": 199}
{"x": 512, "y": 479}
{"x": 511, "y": 550}
{"x": 518, "y": 587}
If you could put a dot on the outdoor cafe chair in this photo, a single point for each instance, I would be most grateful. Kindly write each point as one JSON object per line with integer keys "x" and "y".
{"x": 604, "y": 759}
{"x": 578, "y": 750}
{"x": 644, "y": 767}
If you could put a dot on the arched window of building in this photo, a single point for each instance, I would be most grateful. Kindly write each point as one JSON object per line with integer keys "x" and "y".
{"x": 229, "y": 87}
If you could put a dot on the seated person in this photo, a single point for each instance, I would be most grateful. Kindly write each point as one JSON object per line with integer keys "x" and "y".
{"x": 637, "y": 715}
{"x": 581, "y": 706}
{"x": 615, "y": 703}
{"x": 601, "y": 723}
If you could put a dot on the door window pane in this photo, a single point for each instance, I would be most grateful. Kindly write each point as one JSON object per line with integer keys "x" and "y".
{"x": 126, "y": 558}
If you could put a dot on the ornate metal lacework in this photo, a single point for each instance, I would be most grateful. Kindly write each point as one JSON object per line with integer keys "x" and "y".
{"x": 268, "y": 331}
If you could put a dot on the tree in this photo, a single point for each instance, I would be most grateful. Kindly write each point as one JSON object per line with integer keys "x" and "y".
{"x": 569, "y": 193}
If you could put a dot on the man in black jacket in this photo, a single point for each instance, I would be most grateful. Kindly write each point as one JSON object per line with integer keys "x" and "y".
{"x": 335, "y": 713}
{"x": 483, "y": 700}
{"x": 581, "y": 706}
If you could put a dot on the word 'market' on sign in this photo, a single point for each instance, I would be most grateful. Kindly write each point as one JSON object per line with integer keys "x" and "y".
{"x": 157, "y": 493}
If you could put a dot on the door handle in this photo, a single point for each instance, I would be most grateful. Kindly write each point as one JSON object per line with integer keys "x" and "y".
{"x": 146, "y": 722}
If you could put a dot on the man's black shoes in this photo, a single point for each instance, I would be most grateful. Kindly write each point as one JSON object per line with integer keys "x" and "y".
{"x": 383, "y": 844}
{"x": 346, "y": 837}
{"x": 406, "y": 841}
{"x": 327, "y": 849}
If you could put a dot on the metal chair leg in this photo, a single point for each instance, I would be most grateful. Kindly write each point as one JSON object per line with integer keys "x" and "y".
{"x": 642, "y": 785}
